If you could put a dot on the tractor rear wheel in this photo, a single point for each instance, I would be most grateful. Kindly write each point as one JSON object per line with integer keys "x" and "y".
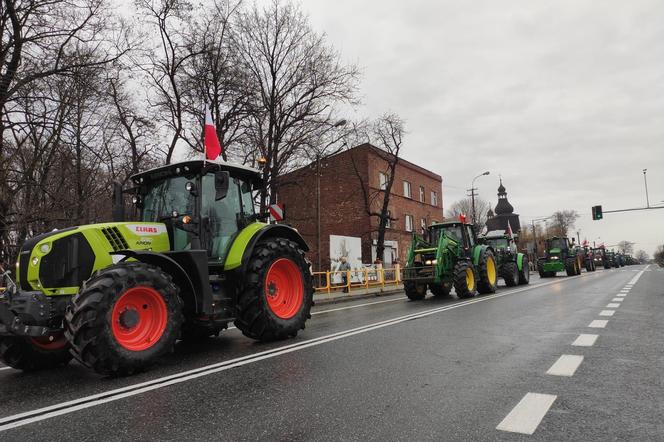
{"x": 30, "y": 354}
{"x": 465, "y": 284}
{"x": 540, "y": 270}
{"x": 439, "y": 290}
{"x": 524, "y": 273}
{"x": 510, "y": 274}
{"x": 488, "y": 273}
{"x": 414, "y": 290}
{"x": 571, "y": 266}
{"x": 124, "y": 318}
{"x": 276, "y": 293}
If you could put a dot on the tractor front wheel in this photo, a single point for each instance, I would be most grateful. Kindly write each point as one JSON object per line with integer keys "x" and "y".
{"x": 30, "y": 354}
{"x": 524, "y": 273}
{"x": 488, "y": 274}
{"x": 465, "y": 284}
{"x": 415, "y": 291}
{"x": 440, "y": 290}
{"x": 571, "y": 265}
{"x": 124, "y": 318}
{"x": 277, "y": 291}
{"x": 510, "y": 274}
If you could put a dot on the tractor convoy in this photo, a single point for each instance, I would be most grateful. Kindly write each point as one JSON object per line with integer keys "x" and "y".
{"x": 117, "y": 296}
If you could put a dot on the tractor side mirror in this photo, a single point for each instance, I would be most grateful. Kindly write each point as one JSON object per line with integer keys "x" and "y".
{"x": 221, "y": 183}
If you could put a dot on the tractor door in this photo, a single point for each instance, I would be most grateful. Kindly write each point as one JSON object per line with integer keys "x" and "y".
{"x": 223, "y": 212}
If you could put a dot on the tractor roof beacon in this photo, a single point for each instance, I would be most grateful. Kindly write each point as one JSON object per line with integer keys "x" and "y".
{"x": 118, "y": 295}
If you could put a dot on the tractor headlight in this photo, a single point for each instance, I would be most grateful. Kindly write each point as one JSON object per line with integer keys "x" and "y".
{"x": 554, "y": 257}
{"x": 35, "y": 261}
{"x": 135, "y": 199}
{"x": 431, "y": 262}
{"x": 45, "y": 248}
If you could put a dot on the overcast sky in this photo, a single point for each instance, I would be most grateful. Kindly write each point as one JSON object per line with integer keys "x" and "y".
{"x": 565, "y": 99}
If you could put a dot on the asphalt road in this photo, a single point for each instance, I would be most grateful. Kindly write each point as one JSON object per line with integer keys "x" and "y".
{"x": 492, "y": 368}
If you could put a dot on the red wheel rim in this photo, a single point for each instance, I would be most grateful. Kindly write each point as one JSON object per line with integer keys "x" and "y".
{"x": 284, "y": 288}
{"x": 45, "y": 343}
{"x": 139, "y": 318}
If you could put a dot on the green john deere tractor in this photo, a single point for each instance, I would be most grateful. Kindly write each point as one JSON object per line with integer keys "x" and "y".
{"x": 559, "y": 255}
{"x": 449, "y": 256}
{"x": 512, "y": 265}
{"x": 118, "y": 295}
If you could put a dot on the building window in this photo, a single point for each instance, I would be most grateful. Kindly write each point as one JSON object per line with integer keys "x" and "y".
{"x": 434, "y": 198}
{"x": 409, "y": 223}
{"x": 421, "y": 194}
{"x": 382, "y": 180}
{"x": 423, "y": 225}
{"x": 406, "y": 190}
{"x": 388, "y": 221}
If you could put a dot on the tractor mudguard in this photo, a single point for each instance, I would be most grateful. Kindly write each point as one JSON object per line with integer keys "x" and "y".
{"x": 195, "y": 289}
{"x": 519, "y": 261}
{"x": 477, "y": 252}
{"x": 247, "y": 238}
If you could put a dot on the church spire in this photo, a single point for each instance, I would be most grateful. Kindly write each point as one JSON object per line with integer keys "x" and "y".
{"x": 503, "y": 207}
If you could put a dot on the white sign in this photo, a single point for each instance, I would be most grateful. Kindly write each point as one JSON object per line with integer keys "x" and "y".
{"x": 147, "y": 229}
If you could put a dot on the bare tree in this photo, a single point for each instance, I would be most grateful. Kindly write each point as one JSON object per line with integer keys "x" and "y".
{"x": 562, "y": 222}
{"x": 296, "y": 79}
{"x": 641, "y": 256}
{"x": 386, "y": 134}
{"x": 626, "y": 247}
{"x": 465, "y": 207}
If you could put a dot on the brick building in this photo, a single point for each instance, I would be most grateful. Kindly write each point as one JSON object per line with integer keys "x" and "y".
{"x": 347, "y": 180}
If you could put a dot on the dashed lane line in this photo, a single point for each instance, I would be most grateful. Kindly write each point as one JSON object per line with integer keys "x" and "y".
{"x": 566, "y": 365}
{"x": 585, "y": 340}
{"x": 526, "y": 416}
{"x": 613, "y": 305}
{"x": 607, "y": 312}
{"x": 598, "y": 323}
{"x": 617, "y": 300}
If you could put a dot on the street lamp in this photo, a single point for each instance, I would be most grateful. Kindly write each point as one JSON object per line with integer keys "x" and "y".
{"x": 645, "y": 180}
{"x": 319, "y": 157}
{"x": 535, "y": 234}
{"x": 472, "y": 195}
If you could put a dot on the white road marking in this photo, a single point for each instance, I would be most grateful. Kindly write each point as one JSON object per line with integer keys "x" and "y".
{"x": 566, "y": 365}
{"x": 617, "y": 299}
{"x": 624, "y": 290}
{"x": 607, "y": 312}
{"x": 526, "y": 416}
{"x": 612, "y": 305}
{"x": 622, "y": 294}
{"x": 357, "y": 306}
{"x": 5, "y": 368}
{"x": 585, "y": 340}
{"x": 637, "y": 276}
{"x": 37, "y": 415}
{"x": 598, "y": 323}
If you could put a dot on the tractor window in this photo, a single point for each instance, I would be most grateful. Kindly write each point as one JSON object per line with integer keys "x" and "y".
{"x": 498, "y": 243}
{"x": 471, "y": 236}
{"x": 558, "y": 243}
{"x": 164, "y": 200}
{"x": 455, "y": 233}
{"x": 222, "y": 216}
{"x": 247, "y": 198}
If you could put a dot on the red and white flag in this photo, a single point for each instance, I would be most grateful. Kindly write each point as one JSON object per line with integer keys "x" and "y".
{"x": 509, "y": 230}
{"x": 212, "y": 145}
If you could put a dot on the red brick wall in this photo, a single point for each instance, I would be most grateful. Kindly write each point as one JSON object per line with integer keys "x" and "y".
{"x": 342, "y": 202}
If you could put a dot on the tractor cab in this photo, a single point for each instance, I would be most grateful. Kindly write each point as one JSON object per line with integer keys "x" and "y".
{"x": 499, "y": 241}
{"x": 203, "y": 205}
{"x": 557, "y": 247}
{"x": 460, "y": 232}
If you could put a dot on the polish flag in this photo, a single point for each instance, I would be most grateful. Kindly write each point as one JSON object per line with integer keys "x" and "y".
{"x": 509, "y": 230}
{"x": 212, "y": 146}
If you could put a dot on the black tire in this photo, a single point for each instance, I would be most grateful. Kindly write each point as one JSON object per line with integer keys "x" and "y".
{"x": 570, "y": 266}
{"x": 461, "y": 286}
{"x": 415, "y": 291}
{"x": 89, "y": 326}
{"x": 540, "y": 269}
{"x": 22, "y": 353}
{"x": 439, "y": 290}
{"x": 255, "y": 317}
{"x": 524, "y": 273}
{"x": 192, "y": 333}
{"x": 488, "y": 273}
{"x": 510, "y": 274}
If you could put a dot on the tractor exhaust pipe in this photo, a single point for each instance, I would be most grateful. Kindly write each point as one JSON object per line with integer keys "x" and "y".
{"x": 118, "y": 202}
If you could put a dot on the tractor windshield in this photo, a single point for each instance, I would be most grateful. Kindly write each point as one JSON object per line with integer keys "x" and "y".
{"x": 498, "y": 243}
{"x": 558, "y": 243}
{"x": 165, "y": 198}
{"x": 454, "y": 232}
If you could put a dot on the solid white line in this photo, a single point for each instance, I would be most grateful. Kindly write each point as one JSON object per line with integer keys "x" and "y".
{"x": 585, "y": 340}
{"x": 637, "y": 276}
{"x": 526, "y": 416}
{"x": 598, "y": 323}
{"x": 617, "y": 299}
{"x": 357, "y": 306}
{"x": 67, "y": 407}
{"x": 566, "y": 365}
{"x": 612, "y": 305}
{"x": 607, "y": 312}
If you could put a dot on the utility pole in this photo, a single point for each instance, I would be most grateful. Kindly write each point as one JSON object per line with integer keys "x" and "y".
{"x": 645, "y": 181}
{"x": 472, "y": 196}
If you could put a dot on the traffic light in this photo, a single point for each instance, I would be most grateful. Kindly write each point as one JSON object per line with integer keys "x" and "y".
{"x": 597, "y": 212}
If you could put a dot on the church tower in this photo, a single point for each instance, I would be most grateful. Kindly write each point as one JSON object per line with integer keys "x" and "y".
{"x": 504, "y": 213}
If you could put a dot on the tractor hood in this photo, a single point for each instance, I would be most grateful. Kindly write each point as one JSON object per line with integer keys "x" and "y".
{"x": 58, "y": 262}
{"x": 554, "y": 250}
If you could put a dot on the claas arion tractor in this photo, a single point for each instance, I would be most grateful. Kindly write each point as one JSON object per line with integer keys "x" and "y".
{"x": 117, "y": 296}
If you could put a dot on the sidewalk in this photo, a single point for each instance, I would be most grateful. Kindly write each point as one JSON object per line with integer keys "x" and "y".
{"x": 322, "y": 298}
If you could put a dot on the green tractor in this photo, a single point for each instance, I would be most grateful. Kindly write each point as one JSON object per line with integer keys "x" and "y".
{"x": 449, "y": 257}
{"x": 559, "y": 255}
{"x": 118, "y": 295}
{"x": 512, "y": 265}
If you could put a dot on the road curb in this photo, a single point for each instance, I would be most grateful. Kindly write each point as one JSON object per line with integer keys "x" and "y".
{"x": 352, "y": 297}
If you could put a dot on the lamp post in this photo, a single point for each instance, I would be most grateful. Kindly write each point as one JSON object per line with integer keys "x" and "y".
{"x": 645, "y": 181}
{"x": 319, "y": 157}
{"x": 472, "y": 195}
{"x": 534, "y": 233}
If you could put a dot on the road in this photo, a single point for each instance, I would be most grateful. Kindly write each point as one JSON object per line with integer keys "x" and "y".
{"x": 495, "y": 367}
